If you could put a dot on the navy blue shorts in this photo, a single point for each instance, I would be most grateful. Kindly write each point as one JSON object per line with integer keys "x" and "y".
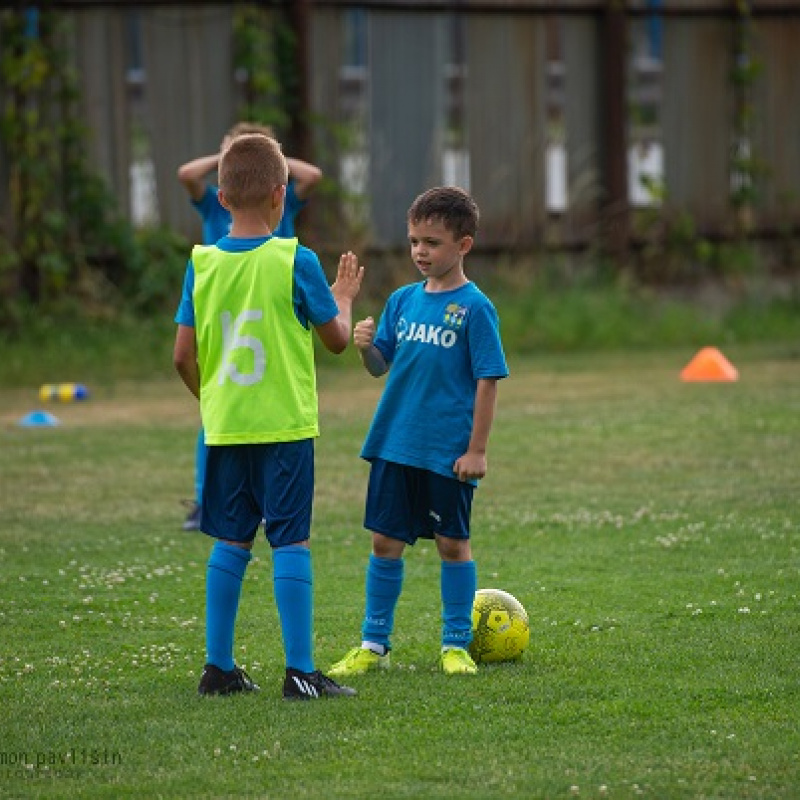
{"x": 246, "y": 483}
{"x": 408, "y": 503}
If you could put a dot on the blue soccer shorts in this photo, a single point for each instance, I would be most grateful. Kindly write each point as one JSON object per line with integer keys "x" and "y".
{"x": 409, "y": 503}
{"x": 246, "y": 483}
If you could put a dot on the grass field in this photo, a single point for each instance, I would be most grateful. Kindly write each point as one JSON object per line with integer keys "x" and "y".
{"x": 651, "y": 528}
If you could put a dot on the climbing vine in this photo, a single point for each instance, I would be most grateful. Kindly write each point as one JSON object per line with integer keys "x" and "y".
{"x": 747, "y": 168}
{"x": 262, "y": 48}
{"x": 62, "y": 236}
{"x": 36, "y": 150}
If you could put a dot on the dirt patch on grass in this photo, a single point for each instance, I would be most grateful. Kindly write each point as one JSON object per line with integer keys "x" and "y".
{"x": 125, "y": 404}
{"x": 169, "y": 403}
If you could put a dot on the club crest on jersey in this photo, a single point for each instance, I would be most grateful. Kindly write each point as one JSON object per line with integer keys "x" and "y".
{"x": 424, "y": 333}
{"x": 454, "y": 315}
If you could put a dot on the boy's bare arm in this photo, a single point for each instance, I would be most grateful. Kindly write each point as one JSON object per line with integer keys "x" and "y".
{"x": 306, "y": 176}
{"x": 184, "y": 357}
{"x": 472, "y": 465}
{"x": 336, "y": 334}
{"x": 193, "y": 174}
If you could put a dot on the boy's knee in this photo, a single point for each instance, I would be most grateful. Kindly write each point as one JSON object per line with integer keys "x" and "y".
{"x": 386, "y": 547}
{"x": 240, "y": 545}
{"x": 453, "y": 549}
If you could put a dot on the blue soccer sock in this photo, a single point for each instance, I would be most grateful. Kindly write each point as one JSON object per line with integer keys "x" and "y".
{"x": 226, "y": 567}
{"x": 200, "y": 457}
{"x": 292, "y": 580}
{"x": 459, "y": 583}
{"x": 384, "y": 584}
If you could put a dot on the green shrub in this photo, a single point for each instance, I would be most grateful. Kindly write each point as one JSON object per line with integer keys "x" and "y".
{"x": 597, "y": 312}
{"x": 157, "y": 275}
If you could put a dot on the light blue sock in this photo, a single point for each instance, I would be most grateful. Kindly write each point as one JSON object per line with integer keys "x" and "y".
{"x": 226, "y": 567}
{"x": 292, "y": 580}
{"x": 384, "y": 584}
{"x": 459, "y": 583}
{"x": 200, "y": 457}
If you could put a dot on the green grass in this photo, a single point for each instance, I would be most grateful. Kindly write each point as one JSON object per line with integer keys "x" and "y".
{"x": 541, "y": 312}
{"x": 539, "y": 315}
{"x": 651, "y": 529}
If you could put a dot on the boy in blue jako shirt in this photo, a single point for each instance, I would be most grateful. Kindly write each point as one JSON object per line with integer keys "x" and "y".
{"x": 193, "y": 176}
{"x": 439, "y": 340}
{"x": 244, "y": 348}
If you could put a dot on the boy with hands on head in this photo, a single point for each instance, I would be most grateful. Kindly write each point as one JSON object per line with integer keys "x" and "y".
{"x": 194, "y": 174}
{"x": 439, "y": 340}
{"x": 244, "y": 348}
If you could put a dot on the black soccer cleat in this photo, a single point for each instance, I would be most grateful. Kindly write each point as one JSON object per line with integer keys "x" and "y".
{"x": 311, "y": 686}
{"x": 216, "y": 681}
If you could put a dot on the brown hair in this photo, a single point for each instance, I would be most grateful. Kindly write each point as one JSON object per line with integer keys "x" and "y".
{"x": 451, "y": 206}
{"x": 250, "y": 169}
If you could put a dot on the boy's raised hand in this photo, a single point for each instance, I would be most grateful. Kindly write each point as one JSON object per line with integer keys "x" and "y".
{"x": 348, "y": 278}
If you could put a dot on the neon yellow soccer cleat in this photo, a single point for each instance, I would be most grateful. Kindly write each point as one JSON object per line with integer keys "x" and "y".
{"x": 358, "y": 661}
{"x": 457, "y": 661}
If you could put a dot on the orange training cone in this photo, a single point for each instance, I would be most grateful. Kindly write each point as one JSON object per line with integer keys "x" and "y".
{"x": 709, "y": 365}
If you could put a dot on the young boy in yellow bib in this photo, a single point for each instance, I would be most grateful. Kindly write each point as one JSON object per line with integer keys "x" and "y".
{"x": 244, "y": 348}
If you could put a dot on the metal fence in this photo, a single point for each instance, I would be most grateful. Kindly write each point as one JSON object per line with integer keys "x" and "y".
{"x": 565, "y": 120}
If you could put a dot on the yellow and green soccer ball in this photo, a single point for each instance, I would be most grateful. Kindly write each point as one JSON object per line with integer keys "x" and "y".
{"x": 500, "y": 630}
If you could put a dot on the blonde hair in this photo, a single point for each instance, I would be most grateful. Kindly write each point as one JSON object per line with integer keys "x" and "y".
{"x": 250, "y": 127}
{"x": 250, "y": 169}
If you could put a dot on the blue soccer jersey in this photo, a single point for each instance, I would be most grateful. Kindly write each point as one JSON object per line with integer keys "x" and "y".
{"x": 217, "y": 218}
{"x": 438, "y": 345}
{"x": 312, "y": 297}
